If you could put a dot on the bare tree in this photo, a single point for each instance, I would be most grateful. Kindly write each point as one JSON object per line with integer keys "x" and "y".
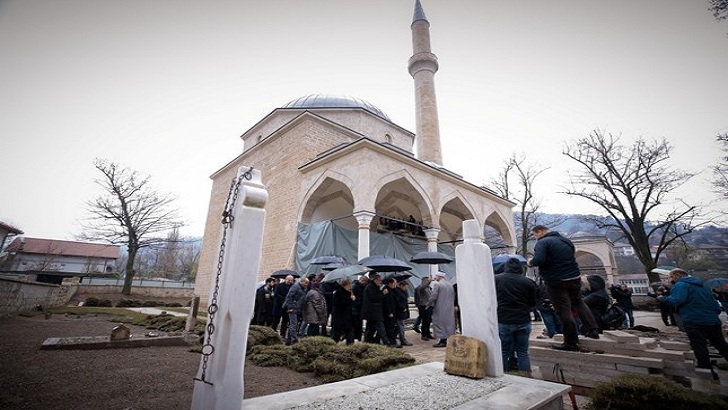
{"x": 720, "y": 170}
{"x": 719, "y": 9}
{"x": 631, "y": 183}
{"x": 516, "y": 182}
{"x": 129, "y": 212}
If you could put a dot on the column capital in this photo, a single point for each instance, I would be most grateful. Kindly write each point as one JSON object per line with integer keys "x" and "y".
{"x": 364, "y": 217}
{"x": 432, "y": 234}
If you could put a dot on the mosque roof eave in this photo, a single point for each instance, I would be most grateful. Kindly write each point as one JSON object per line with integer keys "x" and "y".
{"x": 391, "y": 151}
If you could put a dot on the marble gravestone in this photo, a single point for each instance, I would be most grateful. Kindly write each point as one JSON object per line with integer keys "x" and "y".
{"x": 477, "y": 295}
{"x": 222, "y": 387}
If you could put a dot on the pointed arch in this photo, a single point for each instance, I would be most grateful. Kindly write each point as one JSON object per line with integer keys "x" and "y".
{"x": 330, "y": 197}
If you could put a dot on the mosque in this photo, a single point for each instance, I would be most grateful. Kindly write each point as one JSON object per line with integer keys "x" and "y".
{"x": 343, "y": 179}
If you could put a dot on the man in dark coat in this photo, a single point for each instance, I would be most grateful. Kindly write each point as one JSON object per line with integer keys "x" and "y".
{"x": 356, "y": 320}
{"x": 341, "y": 312}
{"x": 280, "y": 317}
{"x": 390, "y": 310}
{"x": 373, "y": 312}
{"x": 517, "y": 296}
{"x": 623, "y": 295}
{"x": 596, "y": 297}
{"x": 295, "y": 300}
{"x": 264, "y": 303}
{"x": 424, "y": 319}
{"x": 555, "y": 257}
{"x": 402, "y": 313}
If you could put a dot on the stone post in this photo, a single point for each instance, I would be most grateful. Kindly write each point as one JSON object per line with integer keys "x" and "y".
{"x": 192, "y": 316}
{"x": 364, "y": 218}
{"x": 223, "y": 386}
{"x": 477, "y": 296}
{"x": 432, "y": 234}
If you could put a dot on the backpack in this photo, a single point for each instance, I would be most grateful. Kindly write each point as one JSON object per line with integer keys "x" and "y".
{"x": 613, "y": 318}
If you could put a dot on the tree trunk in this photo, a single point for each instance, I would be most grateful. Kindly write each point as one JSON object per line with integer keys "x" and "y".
{"x": 129, "y": 277}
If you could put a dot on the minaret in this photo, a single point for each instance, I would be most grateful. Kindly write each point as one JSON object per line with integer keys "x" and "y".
{"x": 422, "y": 67}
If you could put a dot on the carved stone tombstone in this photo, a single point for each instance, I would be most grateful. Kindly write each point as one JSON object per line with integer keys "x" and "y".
{"x": 465, "y": 356}
{"x": 477, "y": 295}
{"x": 219, "y": 385}
{"x": 120, "y": 332}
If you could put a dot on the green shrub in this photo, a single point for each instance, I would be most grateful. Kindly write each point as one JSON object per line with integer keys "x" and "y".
{"x": 152, "y": 303}
{"x": 91, "y": 302}
{"x": 269, "y": 355}
{"x": 346, "y": 362}
{"x": 638, "y": 392}
{"x": 263, "y": 335}
{"x": 105, "y": 303}
{"x": 129, "y": 303}
{"x": 173, "y": 304}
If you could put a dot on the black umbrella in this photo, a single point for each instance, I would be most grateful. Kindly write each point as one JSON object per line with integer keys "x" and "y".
{"x": 431, "y": 258}
{"x": 326, "y": 259}
{"x": 382, "y": 263}
{"x": 285, "y": 272}
{"x": 401, "y": 276}
{"x": 332, "y": 266}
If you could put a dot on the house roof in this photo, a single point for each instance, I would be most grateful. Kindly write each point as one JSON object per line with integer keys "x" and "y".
{"x": 63, "y": 248}
{"x": 10, "y": 228}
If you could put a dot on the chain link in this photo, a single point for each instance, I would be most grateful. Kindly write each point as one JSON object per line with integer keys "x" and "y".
{"x": 227, "y": 219}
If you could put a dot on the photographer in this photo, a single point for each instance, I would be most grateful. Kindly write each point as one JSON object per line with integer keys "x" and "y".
{"x": 623, "y": 295}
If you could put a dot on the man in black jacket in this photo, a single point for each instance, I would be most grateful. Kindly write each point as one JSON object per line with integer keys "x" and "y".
{"x": 372, "y": 311}
{"x": 517, "y": 296}
{"x": 554, "y": 256}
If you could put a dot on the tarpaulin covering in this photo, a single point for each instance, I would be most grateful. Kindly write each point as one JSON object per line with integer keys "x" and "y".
{"x": 327, "y": 238}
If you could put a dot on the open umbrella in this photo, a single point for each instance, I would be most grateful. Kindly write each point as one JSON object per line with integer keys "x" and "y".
{"x": 345, "y": 272}
{"x": 382, "y": 263}
{"x": 400, "y": 276}
{"x": 285, "y": 272}
{"x": 504, "y": 257}
{"x": 332, "y": 266}
{"x": 431, "y": 258}
{"x": 717, "y": 282}
{"x": 662, "y": 270}
{"x": 499, "y": 261}
{"x": 326, "y": 259}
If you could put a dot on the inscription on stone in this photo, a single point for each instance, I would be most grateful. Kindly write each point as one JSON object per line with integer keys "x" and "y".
{"x": 120, "y": 332}
{"x": 465, "y": 356}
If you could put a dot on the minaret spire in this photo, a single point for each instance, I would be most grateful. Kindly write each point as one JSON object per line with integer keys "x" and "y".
{"x": 422, "y": 67}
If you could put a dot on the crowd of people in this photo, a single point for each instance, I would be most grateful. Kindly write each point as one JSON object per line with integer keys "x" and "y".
{"x": 369, "y": 309}
{"x": 373, "y": 309}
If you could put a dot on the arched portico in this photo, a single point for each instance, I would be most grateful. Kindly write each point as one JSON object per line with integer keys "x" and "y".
{"x": 596, "y": 255}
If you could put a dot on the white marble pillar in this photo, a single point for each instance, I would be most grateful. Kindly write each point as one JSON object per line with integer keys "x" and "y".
{"x": 364, "y": 218}
{"x": 477, "y": 296}
{"x": 223, "y": 387}
{"x": 432, "y": 234}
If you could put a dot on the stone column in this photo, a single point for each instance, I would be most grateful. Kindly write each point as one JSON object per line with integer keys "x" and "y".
{"x": 364, "y": 218}
{"x": 233, "y": 292}
{"x": 477, "y": 296}
{"x": 432, "y": 234}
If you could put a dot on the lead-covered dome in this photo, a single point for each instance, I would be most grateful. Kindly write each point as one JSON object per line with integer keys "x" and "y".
{"x": 335, "y": 101}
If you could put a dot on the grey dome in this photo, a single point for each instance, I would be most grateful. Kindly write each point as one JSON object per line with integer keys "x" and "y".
{"x": 335, "y": 101}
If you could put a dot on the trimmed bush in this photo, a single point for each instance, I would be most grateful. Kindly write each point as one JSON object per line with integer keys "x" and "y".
{"x": 129, "y": 303}
{"x": 105, "y": 303}
{"x": 91, "y": 302}
{"x": 639, "y": 392}
{"x": 262, "y": 335}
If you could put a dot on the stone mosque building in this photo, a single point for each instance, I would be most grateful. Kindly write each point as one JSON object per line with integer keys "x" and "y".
{"x": 343, "y": 179}
{"x": 338, "y": 166}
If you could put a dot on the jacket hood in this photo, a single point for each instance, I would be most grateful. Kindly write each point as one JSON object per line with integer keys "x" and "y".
{"x": 692, "y": 280}
{"x": 596, "y": 282}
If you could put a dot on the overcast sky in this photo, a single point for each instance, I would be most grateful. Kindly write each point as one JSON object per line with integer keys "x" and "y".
{"x": 167, "y": 87}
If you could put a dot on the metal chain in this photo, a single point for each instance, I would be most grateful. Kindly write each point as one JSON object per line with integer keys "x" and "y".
{"x": 227, "y": 219}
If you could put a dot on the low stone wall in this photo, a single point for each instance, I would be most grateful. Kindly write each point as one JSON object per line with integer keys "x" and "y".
{"x": 17, "y": 295}
{"x": 144, "y": 291}
{"x": 618, "y": 352}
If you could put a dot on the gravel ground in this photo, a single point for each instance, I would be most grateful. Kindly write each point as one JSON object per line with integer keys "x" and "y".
{"x": 111, "y": 379}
